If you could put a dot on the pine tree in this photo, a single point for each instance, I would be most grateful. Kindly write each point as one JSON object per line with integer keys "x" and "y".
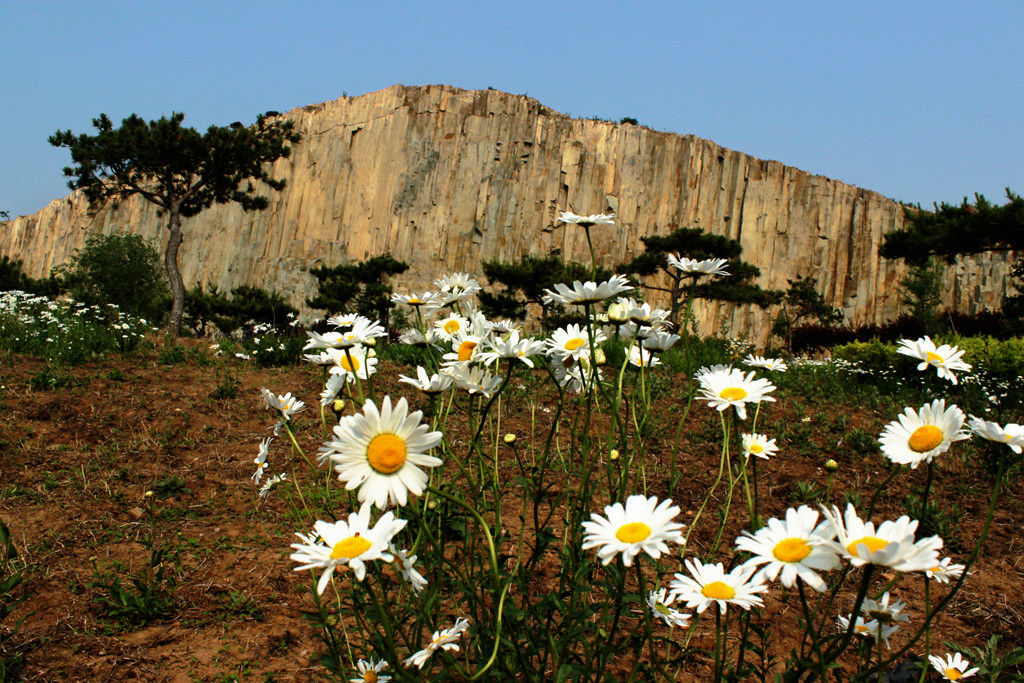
{"x": 179, "y": 169}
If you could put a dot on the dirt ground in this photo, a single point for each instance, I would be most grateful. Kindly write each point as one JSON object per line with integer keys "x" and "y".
{"x": 76, "y": 463}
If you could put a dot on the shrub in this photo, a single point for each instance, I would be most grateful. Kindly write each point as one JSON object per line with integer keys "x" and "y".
{"x": 246, "y": 305}
{"x": 120, "y": 269}
{"x": 362, "y": 287}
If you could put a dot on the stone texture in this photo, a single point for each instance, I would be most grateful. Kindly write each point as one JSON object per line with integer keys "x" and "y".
{"x": 444, "y": 178}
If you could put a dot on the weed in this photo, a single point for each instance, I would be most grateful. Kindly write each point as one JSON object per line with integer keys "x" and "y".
{"x": 991, "y": 665}
{"x": 116, "y": 375}
{"x": 861, "y": 442}
{"x": 11, "y": 577}
{"x": 806, "y": 492}
{"x": 146, "y": 597}
{"x": 934, "y": 520}
{"x": 171, "y": 485}
{"x": 50, "y": 378}
{"x": 237, "y": 603}
{"x": 227, "y": 386}
{"x": 171, "y": 353}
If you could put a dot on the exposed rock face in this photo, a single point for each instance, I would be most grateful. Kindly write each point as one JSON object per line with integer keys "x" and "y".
{"x": 444, "y": 178}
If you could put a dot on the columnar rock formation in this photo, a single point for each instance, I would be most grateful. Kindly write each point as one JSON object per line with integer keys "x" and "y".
{"x": 444, "y": 178}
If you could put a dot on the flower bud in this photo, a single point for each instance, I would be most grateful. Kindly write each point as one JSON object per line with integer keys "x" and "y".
{"x": 613, "y": 454}
{"x": 510, "y": 439}
{"x": 831, "y": 465}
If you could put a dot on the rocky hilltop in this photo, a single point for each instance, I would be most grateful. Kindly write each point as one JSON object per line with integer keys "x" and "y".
{"x": 444, "y": 178}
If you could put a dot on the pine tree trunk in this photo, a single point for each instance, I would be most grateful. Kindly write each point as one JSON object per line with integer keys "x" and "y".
{"x": 173, "y": 273}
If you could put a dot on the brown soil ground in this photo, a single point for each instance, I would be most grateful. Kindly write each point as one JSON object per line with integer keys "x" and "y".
{"x": 76, "y": 463}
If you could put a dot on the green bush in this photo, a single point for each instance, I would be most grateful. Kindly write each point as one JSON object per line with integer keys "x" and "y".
{"x": 246, "y": 305}
{"x": 120, "y": 269}
{"x": 12, "y": 277}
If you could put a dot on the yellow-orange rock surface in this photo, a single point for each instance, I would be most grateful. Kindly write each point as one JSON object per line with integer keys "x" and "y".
{"x": 444, "y": 178}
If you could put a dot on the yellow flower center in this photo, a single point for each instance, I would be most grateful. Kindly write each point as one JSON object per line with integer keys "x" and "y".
{"x": 466, "y": 349}
{"x": 347, "y": 366}
{"x": 954, "y": 674}
{"x": 350, "y": 547}
{"x": 873, "y": 543}
{"x": 733, "y": 393}
{"x": 415, "y": 301}
{"x": 370, "y": 677}
{"x": 862, "y": 629}
{"x": 756, "y": 448}
{"x": 718, "y": 590}
{"x": 925, "y": 438}
{"x": 791, "y": 550}
{"x": 661, "y": 608}
{"x": 574, "y": 344}
{"x": 932, "y": 357}
{"x": 452, "y": 326}
{"x": 386, "y": 453}
{"x": 634, "y": 532}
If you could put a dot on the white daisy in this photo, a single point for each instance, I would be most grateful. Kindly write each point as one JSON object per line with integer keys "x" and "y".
{"x": 891, "y": 544}
{"x": 576, "y": 376}
{"x": 406, "y": 565}
{"x": 729, "y": 387}
{"x": 587, "y": 292}
{"x": 944, "y": 358}
{"x": 919, "y": 436}
{"x": 430, "y": 385}
{"x": 370, "y": 672}
{"x": 882, "y": 611}
{"x": 473, "y": 380}
{"x": 381, "y": 452}
{"x": 457, "y": 285}
{"x": 593, "y": 219}
{"x": 344, "y": 321}
{"x": 642, "y": 315}
{"x": 792, "y": 547}
{"x": 334, "y": 384}
{"x": 451, "y": 327}
{"x": 269, "y": 485}
{"x": 414, "y": 337}
{"x": 618, "y": 312}
{"x": 708, "y": 584}
{"x": 354, "y": 362}
{"x": 759, "y": 445}
{"x": 695, "y": 268}
{"x": 442, "y": 640}
{"x": 952, "y": 667}
{"x": 642, "y": 358}
{"x": 776, "y": 364}
{"x": 867, "y": 628}
{"x": 1012, "y": 434}
{"x": 261, "y": 459}
{"x": 511, "y": 347}
{"x": 464, "y": 349}
{"x": 660, "y": 341}
{"x": 660, "y": 602}
{"x": 572, "y": 341}
{"x": 944, "y": 571}
{"x": 643, "y": 524}
{"x": 353, "y": 543}
{"x": 287, "y": 404}
{"x": 417, "y": 299}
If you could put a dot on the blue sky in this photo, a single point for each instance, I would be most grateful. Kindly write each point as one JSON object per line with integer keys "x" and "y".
{"x": 921, "y": 101}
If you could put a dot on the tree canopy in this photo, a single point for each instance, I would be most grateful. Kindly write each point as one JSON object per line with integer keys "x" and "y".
{"x": 696, "y": 244}
{"x": 179, "y": 169}
{"x": 952, "y": 229}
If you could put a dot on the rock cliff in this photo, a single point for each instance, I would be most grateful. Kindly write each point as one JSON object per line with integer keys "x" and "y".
{"x": 444, "y": 178}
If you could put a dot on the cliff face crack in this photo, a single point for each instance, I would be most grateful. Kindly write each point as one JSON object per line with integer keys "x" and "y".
{"x": 351, "y": 124}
